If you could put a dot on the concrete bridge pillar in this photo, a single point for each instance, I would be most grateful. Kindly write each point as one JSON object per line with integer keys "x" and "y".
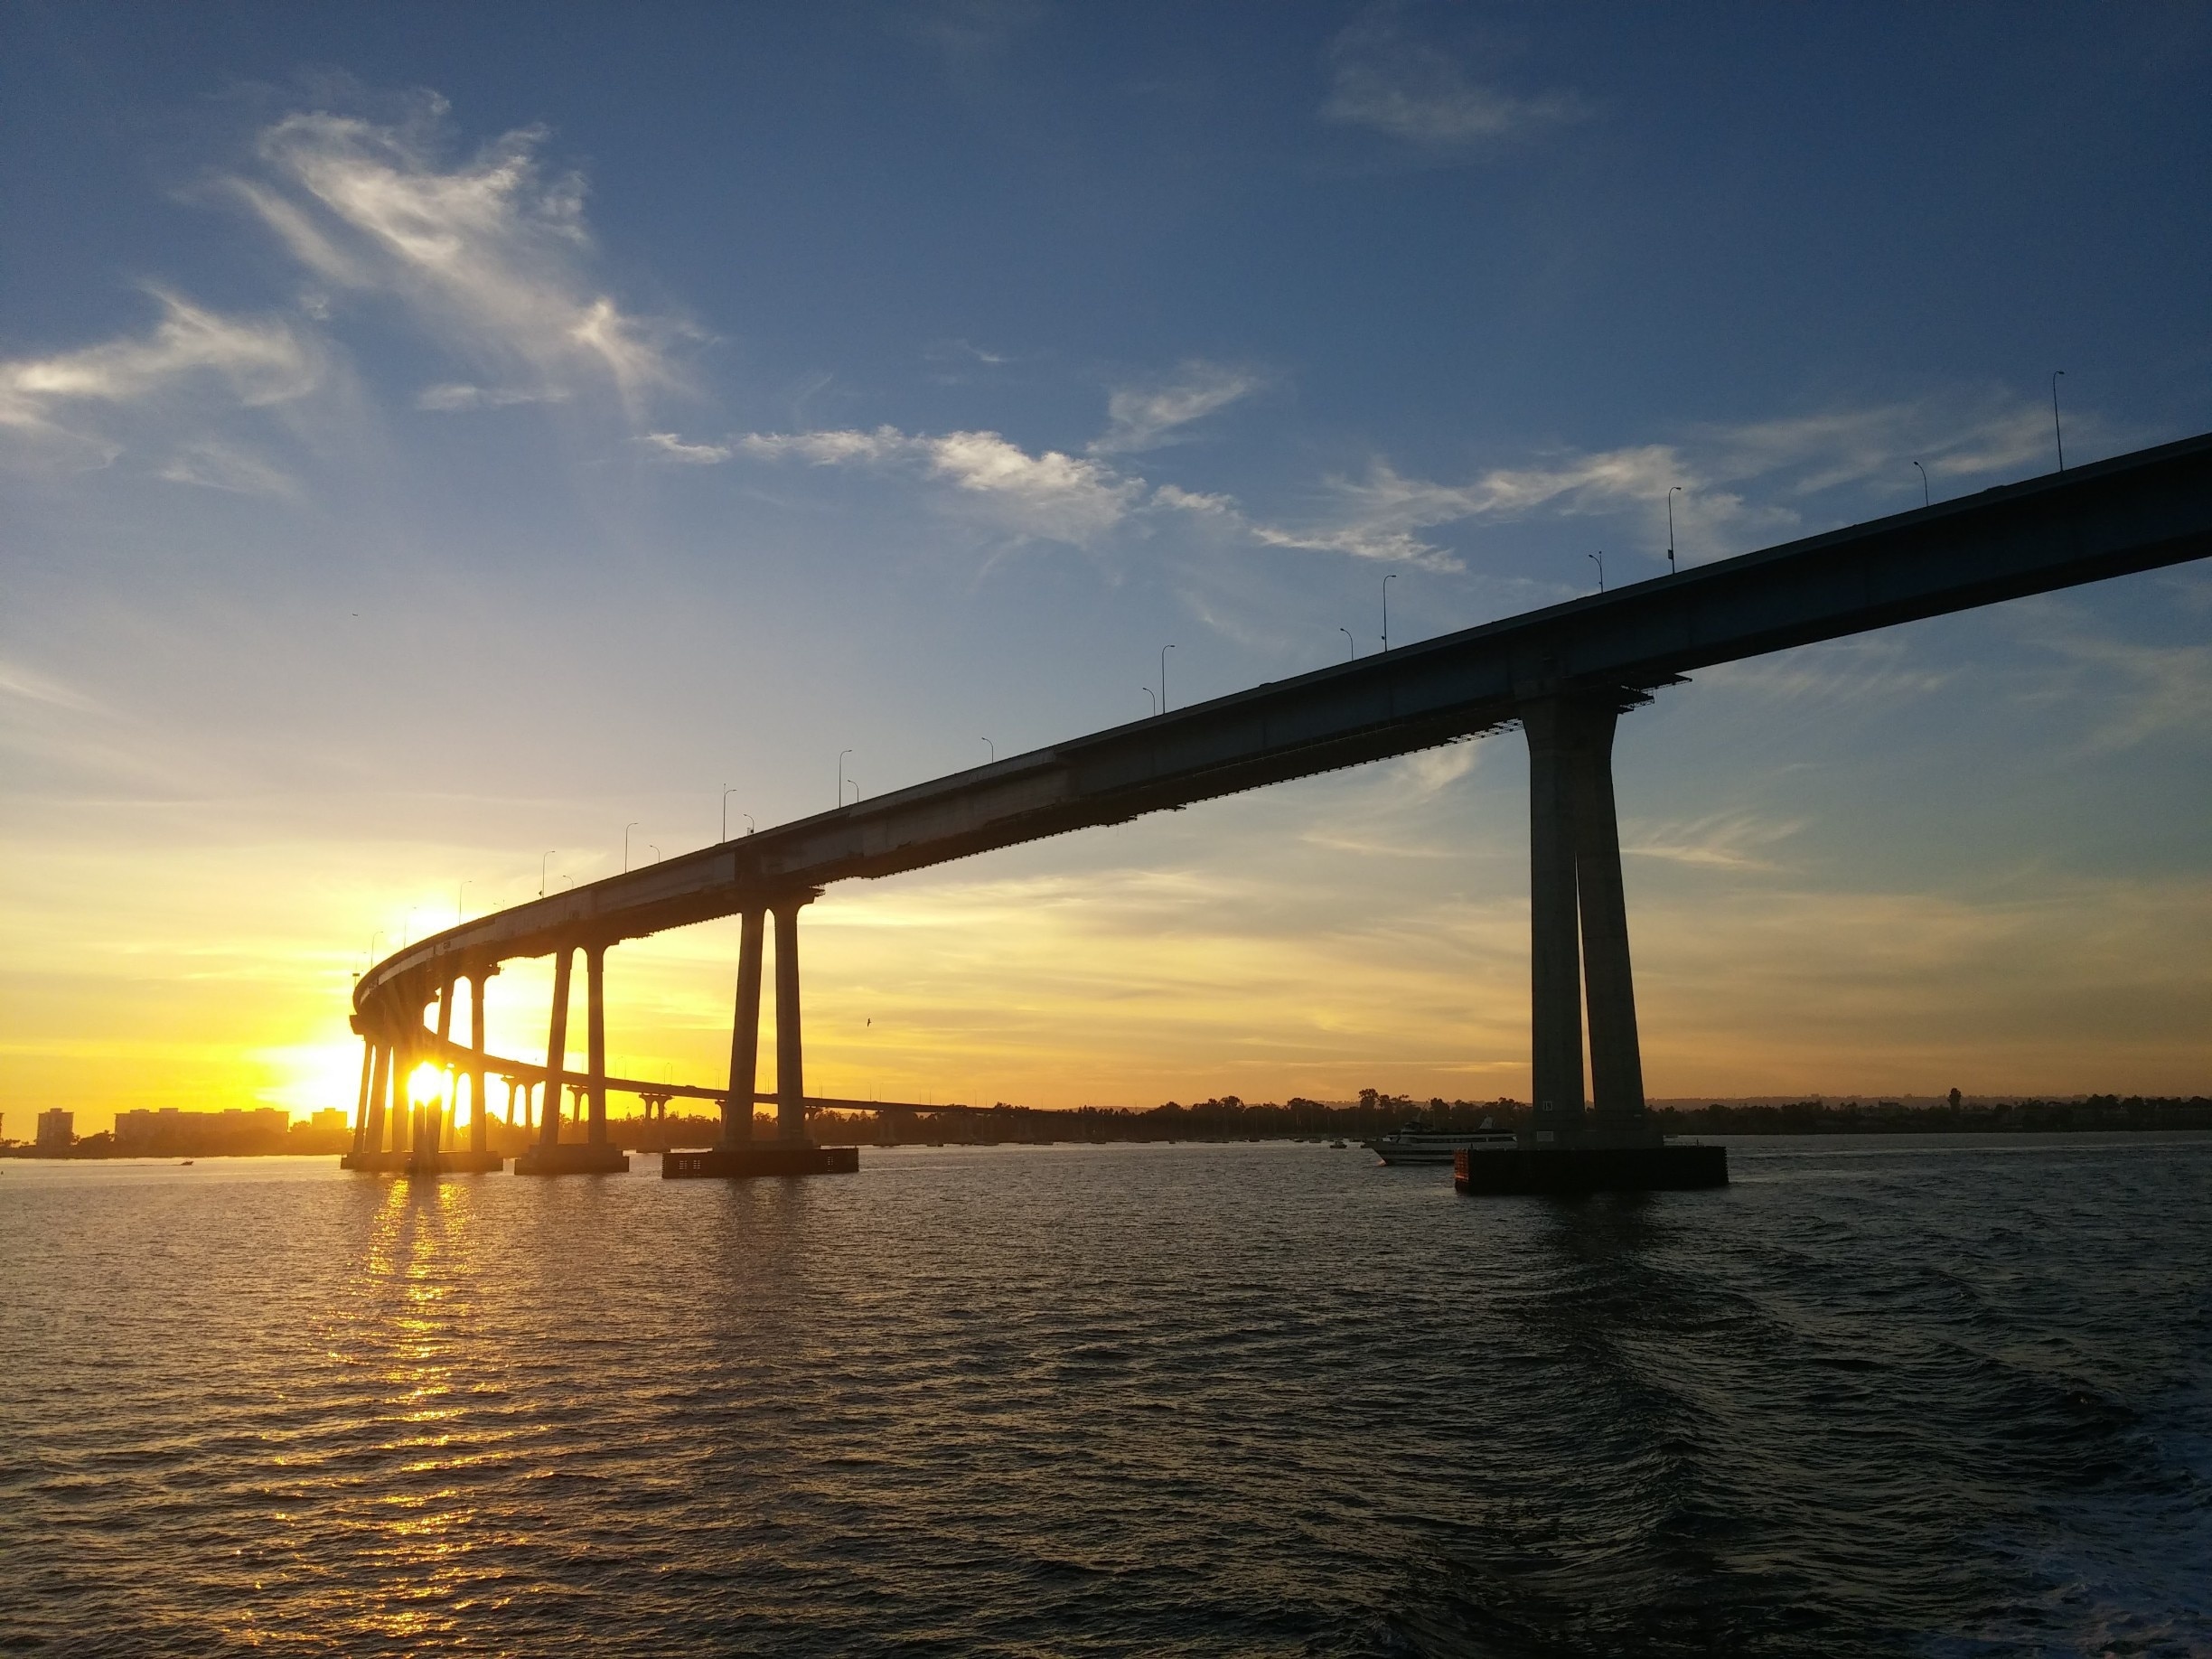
{"x": 1555, "y": 958}
{"x": 403, "y": 1062}
{"x": 790, "y": 1075}
{"x": 595, "y": 1002}
{"x": 1616, "y": 1058}
{"x": 557, "y": 1049}
{"x": 444, "y": 1031}
{"x": 361, "y": 1103}
{"x": 1579, "y": 925}
{"x": 744, "y": 1033}
{"x": 479, "y": 1129}
{"x": 380, "y": 1084}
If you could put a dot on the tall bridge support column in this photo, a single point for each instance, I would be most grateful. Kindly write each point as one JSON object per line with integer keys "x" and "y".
{"x": 791, "y": 1078}
{"x": 1578, "y": 928}
{"x": 403, "y": 1062}
{"x": 595, "y": 1002}
{"x": 379, "y": 1094}
{"x": 1616, "y": 1058}
{"x": 557, "y": 1049}
{"x": 745, "y": 1033}
{"x": 444, "y": 1031}
{"x": 1555, "y": 958}
{"x": 360, "y": 1104}
{"x": 479, "y": 1129}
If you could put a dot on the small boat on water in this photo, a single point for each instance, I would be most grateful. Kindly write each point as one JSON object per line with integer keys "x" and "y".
{"x": 1417, "y": 1144}
{"x": 1336, "y": 1146}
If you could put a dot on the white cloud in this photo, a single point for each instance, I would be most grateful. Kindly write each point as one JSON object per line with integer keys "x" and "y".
{"x": 453, "y": 397}
{"x": 254, "y": 360}
{"x": 670, "y": 447}
{"x": 2129, "y": 690}
{"x": 1733, "y": 841}
{"x": 1423, "y": 97}
{"x": 1742, "y": 486}
{"x": 1147, "y": 416}
{"x": 1056, "y": 496}
{"x": 33, "y": 686}
{"x": 213, "y": 464}
{"x": 487, "y": 253}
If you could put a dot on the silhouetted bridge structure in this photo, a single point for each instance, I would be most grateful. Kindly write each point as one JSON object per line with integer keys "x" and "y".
{"x": 1564, "y": 674}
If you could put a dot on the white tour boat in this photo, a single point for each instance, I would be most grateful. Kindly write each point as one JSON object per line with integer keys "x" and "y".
{"x": 1416, "y": 1144}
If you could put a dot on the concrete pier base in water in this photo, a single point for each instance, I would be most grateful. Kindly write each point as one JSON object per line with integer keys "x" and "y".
{"x": 763, "y": 1157}
{"x": 571, "y": 1157}
{"x": 1659, "y": 1168}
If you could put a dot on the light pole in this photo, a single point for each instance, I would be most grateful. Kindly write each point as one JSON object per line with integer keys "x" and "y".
{"x": 994, "y": 751}
{"x": 458, "y": 892}
{"x": 1386, "y": 582}
{"x": 379, "y": 933}
{"x": 2057, "y": 431}
{"x": 626, "y": 829}
{"x": 1599, "y": 557}
{"x": 855, "y": 790}
{"x": 841, "y": 754}
{"x": 750, "y": 826}
{"x": 541, "y": 876}
{"x": 727, "y": 791}
{"x": 655, "y": 850}
{"x": 1151, "y": 699}
{"x": 1164, "y": 650}
{"x": 1925, "y": 499}
{"x": 1676, "y": 491}
{"x": 1351, "y": 645}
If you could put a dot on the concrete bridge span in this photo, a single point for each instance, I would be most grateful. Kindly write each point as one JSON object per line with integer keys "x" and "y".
{"x": 1563, "y": 673}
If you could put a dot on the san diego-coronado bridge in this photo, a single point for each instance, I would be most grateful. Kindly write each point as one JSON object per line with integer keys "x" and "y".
{"x": 1562, "y": 674}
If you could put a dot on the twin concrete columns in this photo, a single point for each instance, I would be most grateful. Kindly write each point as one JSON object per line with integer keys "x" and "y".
{"x": 385, "y": 1067}
{"x": 594, "y": 1042}
{"x": 1578, "y": 928}
{"x": 745, "y": 1030}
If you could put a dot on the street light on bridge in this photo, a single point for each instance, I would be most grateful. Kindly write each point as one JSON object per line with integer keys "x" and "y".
{"x": 1164, "y": 650}
{"x": 1672, "y": 493}
{"x": 1386, "y": 582}
{"x": 1351, "y": 644}
{"x": 626, "y": 829}
{"x": 727, "y": 791}
{"x": 840, "y": 800}
{"x": 541, "y": 870}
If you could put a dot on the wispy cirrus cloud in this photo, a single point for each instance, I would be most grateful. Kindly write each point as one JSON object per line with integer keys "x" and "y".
{"x": 487, "y": 253}
{"x": 1423, "y": 96}
{"x": 449, "y": 397}
{"x": 1149, "y": 414}
{"x": 1730, "y": 842}
{"x": 1048, "y": 494}
{"x": 669, "y": 446}
{"x": 1741, "y": 485}
{"x": 247, "y": 362}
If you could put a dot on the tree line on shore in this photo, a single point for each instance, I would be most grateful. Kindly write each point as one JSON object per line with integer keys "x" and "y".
{"x": 1228, "y": 1118}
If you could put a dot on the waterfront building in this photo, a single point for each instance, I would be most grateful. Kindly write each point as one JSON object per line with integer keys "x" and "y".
{"x": 57, "y": 1130}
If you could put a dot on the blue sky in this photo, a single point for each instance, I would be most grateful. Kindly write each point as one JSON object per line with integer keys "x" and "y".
{"x": 434, "y": 435}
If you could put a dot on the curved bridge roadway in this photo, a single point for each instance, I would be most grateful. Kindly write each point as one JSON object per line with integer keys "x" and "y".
{"x": 1563, "y": 673}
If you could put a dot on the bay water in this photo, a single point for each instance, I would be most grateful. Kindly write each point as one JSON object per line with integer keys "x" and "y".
{"x": 1924, "y": 1395}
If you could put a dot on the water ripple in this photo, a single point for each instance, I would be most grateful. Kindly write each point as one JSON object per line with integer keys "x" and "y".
{"x": 1882, "y": 1397}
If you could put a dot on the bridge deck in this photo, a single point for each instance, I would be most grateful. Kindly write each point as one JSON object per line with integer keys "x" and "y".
{"x": 2133, "y": 513}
